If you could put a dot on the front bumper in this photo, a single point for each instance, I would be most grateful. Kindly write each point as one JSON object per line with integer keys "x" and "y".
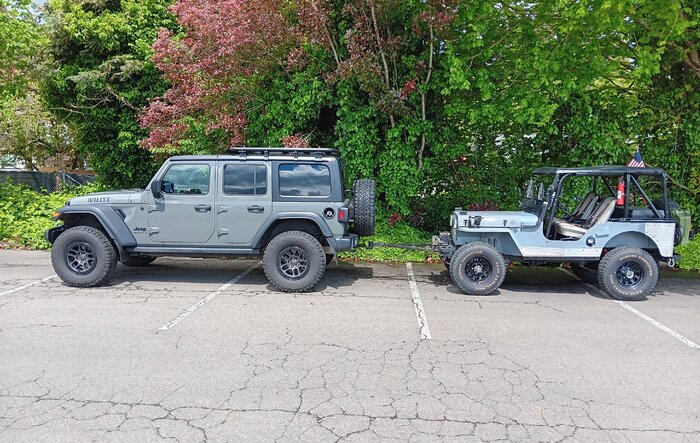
{"x": 52, "y": 234}
{"x": 442, "y": 244}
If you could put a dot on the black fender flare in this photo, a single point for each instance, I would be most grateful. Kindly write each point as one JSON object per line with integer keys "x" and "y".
{"x": 309, "y": 216}
{"x": 110, "y": 220}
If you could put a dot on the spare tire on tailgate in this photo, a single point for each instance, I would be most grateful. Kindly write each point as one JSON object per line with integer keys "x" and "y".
{"x": 363, "y": 204}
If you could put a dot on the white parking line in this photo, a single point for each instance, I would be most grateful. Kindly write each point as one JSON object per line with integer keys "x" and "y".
{"x": 686, "y": 341}
{"x": 418, "y": 304}
{"x": 208, "y": 298}
{"x": 19, "y": 288}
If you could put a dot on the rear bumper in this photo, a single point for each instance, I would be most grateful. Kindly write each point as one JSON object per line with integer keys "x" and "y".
{"x": 344, "y": 243}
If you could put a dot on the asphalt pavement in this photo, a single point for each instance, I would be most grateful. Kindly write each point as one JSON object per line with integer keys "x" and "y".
{"x": 205, "y": 349}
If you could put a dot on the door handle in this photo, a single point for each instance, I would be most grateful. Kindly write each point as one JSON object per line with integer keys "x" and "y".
{"x": 256, "y": 209}
{"x": 202, "y": 208}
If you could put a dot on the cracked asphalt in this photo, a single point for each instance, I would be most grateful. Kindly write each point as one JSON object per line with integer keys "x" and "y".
{"x": 545, "y": 359}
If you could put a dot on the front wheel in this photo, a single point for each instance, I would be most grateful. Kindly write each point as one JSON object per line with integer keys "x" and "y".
{"x": 294, "y": 261}
{"x": 83, "y": 256}
{"x": 628, "y": 274}
{"x": 478, "y": 268}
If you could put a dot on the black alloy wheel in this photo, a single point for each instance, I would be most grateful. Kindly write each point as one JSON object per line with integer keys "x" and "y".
{"x": 80, "y": 257}
{"x": 293, "y": 263}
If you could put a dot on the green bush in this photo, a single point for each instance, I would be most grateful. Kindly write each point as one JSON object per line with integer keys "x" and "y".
{"x": 25, "y": 214}
{"x": 690, "y": 255}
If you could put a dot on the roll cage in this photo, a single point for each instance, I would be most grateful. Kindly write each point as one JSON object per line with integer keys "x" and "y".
{"x": 630, "y": 176}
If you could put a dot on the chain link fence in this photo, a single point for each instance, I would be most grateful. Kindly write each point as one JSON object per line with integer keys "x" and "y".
{"x": 46, "y": 182}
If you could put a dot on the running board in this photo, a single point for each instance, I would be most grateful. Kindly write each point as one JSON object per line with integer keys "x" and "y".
{"x": 192, "y": 251}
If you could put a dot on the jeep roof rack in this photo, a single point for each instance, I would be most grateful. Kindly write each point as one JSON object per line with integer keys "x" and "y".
{"x": 292, "y": 152}
{"x": 604, "y": 171}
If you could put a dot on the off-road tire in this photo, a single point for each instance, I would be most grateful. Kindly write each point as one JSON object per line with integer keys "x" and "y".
{"x": 138, "y": 261}
{"x": 585, "y": 274}
{"x": 288, "y": 241}
{"x": 363, "y": 206}
{"x": 474, "y": 255}
{"x": 104, "y": 255}
{"x": 613, "y": 277}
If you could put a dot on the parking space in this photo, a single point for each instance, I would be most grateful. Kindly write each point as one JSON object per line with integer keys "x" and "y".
{"x": 205, "y": 349}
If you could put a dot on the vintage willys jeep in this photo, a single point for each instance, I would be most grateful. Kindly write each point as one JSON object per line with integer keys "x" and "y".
{"x": 619, "y": 231}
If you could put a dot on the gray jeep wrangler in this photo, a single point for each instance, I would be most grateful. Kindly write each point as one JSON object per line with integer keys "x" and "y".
{"x": 288, "y": 205}
{"x": 623, "y": 225}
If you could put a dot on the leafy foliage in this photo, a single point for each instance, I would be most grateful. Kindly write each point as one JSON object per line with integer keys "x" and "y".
{"x": 444, "y": 103}
{"x": 30, "y": 132}
{"x": 102, "y": 77}
{"x": 690, "y": 255}
{"x": 20, "y": 39}
{"x": 26, "y": 214}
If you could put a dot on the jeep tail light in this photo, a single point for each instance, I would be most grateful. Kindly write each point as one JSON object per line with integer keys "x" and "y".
{"x": 343, "y": 215}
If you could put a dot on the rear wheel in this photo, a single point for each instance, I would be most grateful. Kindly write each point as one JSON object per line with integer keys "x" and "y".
{"x": 628, "y": 274}
{"x": 294, "y": 261}
{"x": 477, "y": 268}
{"x": 83, "y": 256}
{"x": 138, "y": 261}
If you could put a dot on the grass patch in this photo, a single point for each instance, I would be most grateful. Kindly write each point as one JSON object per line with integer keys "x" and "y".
{"x": 401, "y": 232}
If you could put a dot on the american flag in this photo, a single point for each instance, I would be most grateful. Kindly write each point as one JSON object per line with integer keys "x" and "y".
{"x": 636, "y": 161}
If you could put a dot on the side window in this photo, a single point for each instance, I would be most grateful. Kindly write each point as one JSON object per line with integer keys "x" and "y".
{"x": 187, "y": 179}
{"x": 243, "y": 179}
{"x": 299, "y": 180}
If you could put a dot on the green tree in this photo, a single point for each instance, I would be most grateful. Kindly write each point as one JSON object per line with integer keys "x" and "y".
{"x": 102, "y": 77}
{"x": 30, "y": 132}
{"x": 20, "y": 40}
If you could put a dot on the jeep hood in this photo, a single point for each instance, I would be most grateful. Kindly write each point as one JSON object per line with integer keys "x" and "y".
{"x": 123, "y": 196}
{"x": 493, "y": 219}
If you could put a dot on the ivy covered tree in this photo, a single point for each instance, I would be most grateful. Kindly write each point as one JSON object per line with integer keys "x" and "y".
{"x": 102, "y": 76}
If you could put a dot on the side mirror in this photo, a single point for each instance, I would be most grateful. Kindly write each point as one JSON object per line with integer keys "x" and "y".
{"x": 157, "y": 188}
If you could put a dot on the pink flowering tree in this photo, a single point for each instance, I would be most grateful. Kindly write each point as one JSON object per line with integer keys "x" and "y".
{"x": 214, "y": 66}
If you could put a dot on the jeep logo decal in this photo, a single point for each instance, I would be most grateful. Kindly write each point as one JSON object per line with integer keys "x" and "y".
{"x": 137, "y": 229}
{"x": 328, "y": 213}
{"x": 98, "y": 199}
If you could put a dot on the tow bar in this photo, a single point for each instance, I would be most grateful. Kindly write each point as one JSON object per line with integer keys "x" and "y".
{"x": 409, "y": 246}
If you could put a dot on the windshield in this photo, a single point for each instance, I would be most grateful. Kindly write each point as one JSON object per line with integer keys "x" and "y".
{"x": 537, "y": 191}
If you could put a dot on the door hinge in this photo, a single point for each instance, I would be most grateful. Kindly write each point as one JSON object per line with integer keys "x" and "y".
{"x": 221, "y": 209}
{"x": 222, "y": 231}
{"x": 153, "y": 230}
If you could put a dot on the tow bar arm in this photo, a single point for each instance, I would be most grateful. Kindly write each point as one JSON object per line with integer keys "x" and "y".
{"x": 409, "y": 246}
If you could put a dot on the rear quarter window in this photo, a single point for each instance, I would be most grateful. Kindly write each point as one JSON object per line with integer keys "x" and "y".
{"x": 304, "y": 180}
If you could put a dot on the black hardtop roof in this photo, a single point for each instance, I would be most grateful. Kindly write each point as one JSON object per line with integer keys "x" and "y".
{"x": 604, "y": 170}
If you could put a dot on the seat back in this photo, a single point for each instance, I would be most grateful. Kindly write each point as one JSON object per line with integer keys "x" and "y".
{"x": 585, "y": 208}
{"x": 602, "y": 213}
